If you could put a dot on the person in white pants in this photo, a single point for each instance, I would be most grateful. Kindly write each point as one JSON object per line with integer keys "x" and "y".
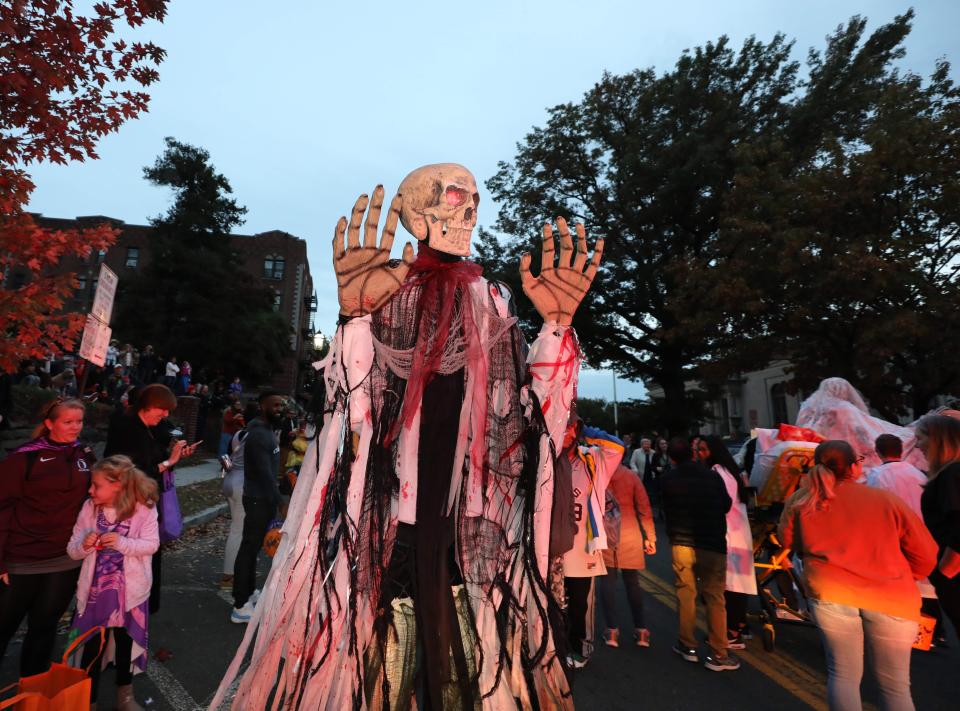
{"x": 233, "y": 492}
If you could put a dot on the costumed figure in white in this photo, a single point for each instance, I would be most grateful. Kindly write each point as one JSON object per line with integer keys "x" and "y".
{"x": 838, "y": 411}
{"x": 413, "y": 566}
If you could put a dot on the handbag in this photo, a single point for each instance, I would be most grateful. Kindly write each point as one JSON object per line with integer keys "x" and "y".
{"x": 60, "y": 688}
{"x": 171, "y": 520}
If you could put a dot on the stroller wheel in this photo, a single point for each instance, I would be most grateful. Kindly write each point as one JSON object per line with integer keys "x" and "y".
{"x": 769, "y": 637}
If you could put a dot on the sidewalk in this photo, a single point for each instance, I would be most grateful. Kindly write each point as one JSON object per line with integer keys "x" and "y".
{"x": 197, "y": 472}
{"x": 199, "y": 490}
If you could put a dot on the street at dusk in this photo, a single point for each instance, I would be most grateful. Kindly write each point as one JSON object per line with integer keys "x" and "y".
{"x": 530, "y": 356}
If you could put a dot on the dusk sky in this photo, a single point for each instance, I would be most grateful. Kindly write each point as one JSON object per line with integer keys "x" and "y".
{"x": 305, "y": 104}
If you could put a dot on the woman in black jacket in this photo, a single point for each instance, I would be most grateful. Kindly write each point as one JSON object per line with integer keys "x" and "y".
{"x": 43, "y": 485}
{"x": 137, "y": 434}
{"x": 938, "y": 437}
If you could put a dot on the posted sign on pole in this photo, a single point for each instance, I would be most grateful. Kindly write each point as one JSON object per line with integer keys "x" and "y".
{"x": 97, "y": 332}
{"x": 106, "y": 290}
{"x": 96, "y": 340}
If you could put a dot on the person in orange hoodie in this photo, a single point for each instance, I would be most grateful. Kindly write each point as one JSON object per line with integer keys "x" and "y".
{"x": 862, "y": 550}
{"x": 626, "y": 556}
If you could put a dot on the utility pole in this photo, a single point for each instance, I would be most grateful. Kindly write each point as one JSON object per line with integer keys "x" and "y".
{"x": 616, "y": 417}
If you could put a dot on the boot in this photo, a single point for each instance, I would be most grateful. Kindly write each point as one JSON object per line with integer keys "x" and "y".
{"x": 125, "y": 700}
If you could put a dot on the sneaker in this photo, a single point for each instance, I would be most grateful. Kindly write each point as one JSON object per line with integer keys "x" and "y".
{"x": 241, "y": 615}
{"x": 641, "y": 636}
{"x": 735, "y": 640}
{"x": 746, "y": 632}
{"x": 688, "y": 653}
{"x": 255, "y": 597}
{"x": 226, "y": 582}
{"x": 576, "y": 661}
{"x": 725, "y": 663}
{"x": 612, "y": 638}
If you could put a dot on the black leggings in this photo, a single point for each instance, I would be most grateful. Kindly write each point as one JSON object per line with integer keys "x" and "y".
{"x": 578, "y": 604}
{"x": 123, "y": 646}
{"x": 736, "y": 609}
{"x": 42, "y": 598}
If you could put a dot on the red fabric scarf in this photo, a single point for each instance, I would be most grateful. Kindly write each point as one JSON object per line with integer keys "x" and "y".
{"x": 439, "y": 279}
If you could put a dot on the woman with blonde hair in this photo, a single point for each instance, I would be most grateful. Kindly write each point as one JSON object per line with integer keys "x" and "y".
{"x": 862, "y": 551}
{"x": 938, "y": 437}
{"x": 116, "y": 535}
{"x": 43, "y": 484}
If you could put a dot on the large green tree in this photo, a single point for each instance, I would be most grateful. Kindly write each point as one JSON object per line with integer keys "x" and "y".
{"x": 751, "y": 212}
{"x": 193, "y": 299}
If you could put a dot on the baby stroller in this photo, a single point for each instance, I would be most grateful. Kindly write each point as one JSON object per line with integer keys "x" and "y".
{"x": 778, "y": 582}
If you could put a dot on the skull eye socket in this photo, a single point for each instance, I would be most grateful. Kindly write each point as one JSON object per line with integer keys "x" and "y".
{"x": 455, "y": 196}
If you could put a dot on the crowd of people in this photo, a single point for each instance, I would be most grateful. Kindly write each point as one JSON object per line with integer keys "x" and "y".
{"x": 125, "y": 369}
{"x": 865, "y": 539}
{"x": 876, "y": 549}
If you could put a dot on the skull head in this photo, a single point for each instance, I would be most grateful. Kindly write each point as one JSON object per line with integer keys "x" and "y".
{"x": 440, "y": 206}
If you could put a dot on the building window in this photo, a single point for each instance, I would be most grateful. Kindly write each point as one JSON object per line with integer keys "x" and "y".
{"x": 273, "y": 267}
{"x": 277, "y": 300}
{"x": 133, "y": 257}
{"x": 778, "y": 400}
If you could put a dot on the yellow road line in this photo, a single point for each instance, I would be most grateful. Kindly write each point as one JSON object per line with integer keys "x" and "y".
{"x": 793, "y": 676}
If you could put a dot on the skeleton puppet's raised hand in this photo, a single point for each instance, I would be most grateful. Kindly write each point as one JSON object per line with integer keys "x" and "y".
{"x": 365, "y": 277}
{"x": 559, "y": 289}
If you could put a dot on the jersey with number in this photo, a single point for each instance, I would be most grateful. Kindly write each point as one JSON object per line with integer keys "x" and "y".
{"x": 591, "y": 470}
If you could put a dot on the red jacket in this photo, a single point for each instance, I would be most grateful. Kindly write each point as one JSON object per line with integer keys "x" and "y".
{"x": 38, "y": 508}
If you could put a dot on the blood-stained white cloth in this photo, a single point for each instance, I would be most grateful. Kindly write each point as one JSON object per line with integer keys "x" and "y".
{"x": 837, "y": 411}
{"x": 291, "y": 615}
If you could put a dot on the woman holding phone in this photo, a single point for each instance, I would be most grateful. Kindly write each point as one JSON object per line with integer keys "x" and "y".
{"x": 139, "y": 435}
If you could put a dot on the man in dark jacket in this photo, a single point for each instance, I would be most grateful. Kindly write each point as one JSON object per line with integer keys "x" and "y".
{"x": 261, "y": 498}
{"x": 695, "y": 503}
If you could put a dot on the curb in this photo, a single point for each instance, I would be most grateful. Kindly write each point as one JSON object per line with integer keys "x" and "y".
{"x": 205, "y": 516}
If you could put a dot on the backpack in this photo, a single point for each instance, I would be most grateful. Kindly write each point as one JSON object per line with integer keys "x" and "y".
{"x": 611, "y": 520}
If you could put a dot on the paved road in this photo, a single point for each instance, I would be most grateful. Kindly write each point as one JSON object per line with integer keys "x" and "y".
{"x": 194, "y": 624}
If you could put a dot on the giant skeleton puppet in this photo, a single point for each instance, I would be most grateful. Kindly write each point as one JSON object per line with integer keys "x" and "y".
{"x": 412, "y": 570}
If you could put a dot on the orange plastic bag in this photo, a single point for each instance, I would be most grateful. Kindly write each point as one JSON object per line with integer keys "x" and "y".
{"x": 925, "y": 633}
{"x": 61, "y": 688}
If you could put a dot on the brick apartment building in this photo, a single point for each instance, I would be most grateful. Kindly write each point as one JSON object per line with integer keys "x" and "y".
{"x": 277, "y": 259}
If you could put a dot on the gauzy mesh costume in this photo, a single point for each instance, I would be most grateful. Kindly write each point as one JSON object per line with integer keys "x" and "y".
{"x": 422, "y": 514}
